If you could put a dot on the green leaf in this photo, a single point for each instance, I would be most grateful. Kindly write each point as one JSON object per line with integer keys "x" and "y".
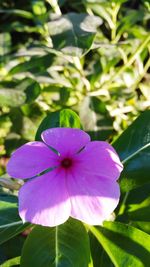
{"x": 66, "y": 245}
{"x": 10, "y": 222}
{"x": 12, "y": 262}
{"x": 133, "y": 147}
{"x": 129, "y": 20}
{"x": 144, "y": 226}
{"x": 63, "y": 118}
{"x": 31, "y": 88}
{"x": 98, "y": 254}
{"x": 73, "y": 33}
{"x": 125, "y": 245}
{"x": 35, "y": 64}
{"x": 11, "y": 249}
{"x": 137, "y": 205}
{"x": 11, "y": 97}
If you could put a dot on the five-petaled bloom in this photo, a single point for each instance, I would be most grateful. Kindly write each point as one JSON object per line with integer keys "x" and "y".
{"x": 78, "y": 181}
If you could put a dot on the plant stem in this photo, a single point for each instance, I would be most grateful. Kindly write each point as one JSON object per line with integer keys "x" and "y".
{"x": 146, "y": 67}
{"x": 54, "y": 6}
{"x": 122, "y": 207}
{"x": 115, "y": 11}
{"x": 130, "y": 61}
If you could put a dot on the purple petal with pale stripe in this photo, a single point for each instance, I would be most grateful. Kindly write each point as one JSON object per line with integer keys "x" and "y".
{"x": 93, "y": 198}
{"x": 99, "y": 158}
{"x": 30, "y": 160}
{"x": 66, "y": 141}
{"x": 44, "y": 200}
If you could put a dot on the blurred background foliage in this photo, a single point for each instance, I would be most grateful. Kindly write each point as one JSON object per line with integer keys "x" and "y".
{"x": 91, "y": 56}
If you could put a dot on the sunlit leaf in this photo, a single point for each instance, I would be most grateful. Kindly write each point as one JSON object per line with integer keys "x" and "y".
{"x": 63, "y": 118}
{"x": 125, "y": 245}
{"x": 11, "y": 98}
{"x": 12, "y": 262}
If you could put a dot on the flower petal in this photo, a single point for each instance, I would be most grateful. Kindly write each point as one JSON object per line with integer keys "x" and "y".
{"x": 44, "y": 200}
{"x": 30, "y": 160}
{"x": 66, "y": 141}
{"x": 93, "y": 198}
{"x": 100, "y": 158}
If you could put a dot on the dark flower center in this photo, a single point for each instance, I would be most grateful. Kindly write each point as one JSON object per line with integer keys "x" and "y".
{"x": 66, "y": 163}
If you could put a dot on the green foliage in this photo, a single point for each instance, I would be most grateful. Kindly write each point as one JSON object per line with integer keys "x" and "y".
{"x": 12, "y": 262}
{"x": 62, "y": 62}
{"x": 125, "y": 245}
{"x": 10, "y": 223}
{"x": 61, "y": 246}
{"x": 63, "y": 118}
{"x": 133, "y": 147}
{"x": 73, "y": 33}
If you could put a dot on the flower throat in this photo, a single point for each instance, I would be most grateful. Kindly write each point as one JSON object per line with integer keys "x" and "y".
{"x": 66, "y": 163}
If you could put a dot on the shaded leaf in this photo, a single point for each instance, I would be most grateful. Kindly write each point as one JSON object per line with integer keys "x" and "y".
{"x": 98, "y": 254}
{"x": 137, "y": 205}
{"x": 133, "y": 147}
{"x": 10, "y": 222}
{"x": 66, "y": 245}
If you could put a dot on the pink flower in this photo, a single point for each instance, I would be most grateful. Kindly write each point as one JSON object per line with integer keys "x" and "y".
{"x": 81, "y": 184}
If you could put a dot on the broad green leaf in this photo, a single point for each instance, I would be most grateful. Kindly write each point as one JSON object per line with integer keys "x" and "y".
{"x": 73, "y": 33}
{"x": 12, "y": 262}
{"x": 10, "y": 222}
{"x": 31, "y": 88}
{"x": 63, "y": 118}
{"x": 65, "y": 245}
{"x": 125, "y": 245}
{"x": 11, "y": 97}
{"x": 133, "y": 147}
